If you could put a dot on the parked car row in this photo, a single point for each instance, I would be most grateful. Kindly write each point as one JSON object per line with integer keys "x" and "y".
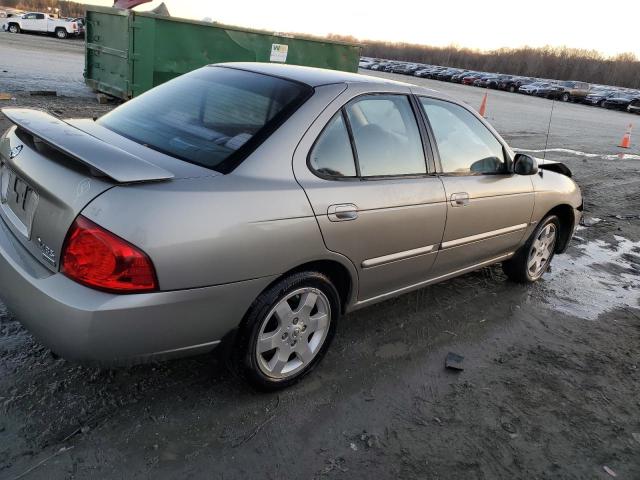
{"x": 567, "y": 91}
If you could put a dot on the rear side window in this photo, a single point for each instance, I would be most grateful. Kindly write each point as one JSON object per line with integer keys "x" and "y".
{"x": 212, "y": 117}
{"x": 386, "y": 136}
{"x": 332, "y": 154}
{"x": 465, "y": 145}
{"x": 386, "y": 140}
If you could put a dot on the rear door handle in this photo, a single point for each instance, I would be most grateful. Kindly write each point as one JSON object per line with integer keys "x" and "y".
{"x": 342, "y": 212}
{"x": 460, "y": 199}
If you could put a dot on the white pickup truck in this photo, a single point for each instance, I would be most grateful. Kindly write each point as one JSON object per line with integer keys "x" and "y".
{"x": 42, "y": 22}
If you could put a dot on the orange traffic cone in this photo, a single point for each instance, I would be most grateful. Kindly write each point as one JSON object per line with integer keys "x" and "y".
{"x": 626, "y": 139}
{"x": 483, "y": 105}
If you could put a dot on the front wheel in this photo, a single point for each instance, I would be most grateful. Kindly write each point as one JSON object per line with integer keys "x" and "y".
{"x": 565, "y": 97}
{"x": 288, "y": 330}
{"x": 61, "y": 33}
{"x": 530, "y": 263}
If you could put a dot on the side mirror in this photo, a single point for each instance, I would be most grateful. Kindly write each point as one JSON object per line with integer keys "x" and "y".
{"x": 524, "y": 165}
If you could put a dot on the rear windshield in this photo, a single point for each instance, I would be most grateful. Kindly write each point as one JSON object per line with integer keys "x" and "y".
{"x": 213, "y": 117}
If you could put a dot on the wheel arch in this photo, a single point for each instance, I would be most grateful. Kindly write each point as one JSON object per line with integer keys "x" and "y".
{"x": 565, "y": 214}
{"x": 340, "y": 275}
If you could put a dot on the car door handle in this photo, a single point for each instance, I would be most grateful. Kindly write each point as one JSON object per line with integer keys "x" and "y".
{"x": 460, "y": 199}
{"x": 343, "y": 212}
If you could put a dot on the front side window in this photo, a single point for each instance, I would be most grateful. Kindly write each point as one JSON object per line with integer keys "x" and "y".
{"x": 465, "y": 145}
{"x": 212, "y": 117}
{"x": 386, "y": 136}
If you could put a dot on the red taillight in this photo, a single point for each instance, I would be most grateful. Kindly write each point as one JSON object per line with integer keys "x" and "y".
{"x": 97, "y": 258}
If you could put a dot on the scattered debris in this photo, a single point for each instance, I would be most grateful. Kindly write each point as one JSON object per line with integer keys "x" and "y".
{"x": 43, "y": 93}
{"x": 39, "y": 464}
{"x": 371, "y": 440}
{"x": 353, "y": 447}
{"x": 5, "y": 96}
{"x": 333, "y": 465}
{"x": 509, "y": 427}
{"x": 636, "y": 437}
{"x": 591, "y": 221}
{"x": 625, "y": 217}
{"x": 454, "y": 361}
{"x": 609, "y": 471}
{"x": 258, "y": 428}
{"x": 104, "y": 99}
{"x": 453, "y": 334}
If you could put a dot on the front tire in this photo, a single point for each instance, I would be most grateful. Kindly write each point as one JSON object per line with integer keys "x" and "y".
{"x": 531, "y": 262}
{"x": 287, "y": 330}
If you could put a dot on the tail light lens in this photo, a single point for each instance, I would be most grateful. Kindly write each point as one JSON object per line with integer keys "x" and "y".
{"x": 99, "y": 259}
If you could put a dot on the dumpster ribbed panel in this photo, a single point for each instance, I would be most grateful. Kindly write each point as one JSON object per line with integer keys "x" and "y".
{"x": 128, "y": 52}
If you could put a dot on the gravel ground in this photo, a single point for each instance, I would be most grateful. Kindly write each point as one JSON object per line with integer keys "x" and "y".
{"x": 59, "y": 64}
{"x": 550, "y": 388}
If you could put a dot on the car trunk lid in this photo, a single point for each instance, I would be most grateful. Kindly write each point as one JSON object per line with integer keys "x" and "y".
{"x": 50, "y": 170}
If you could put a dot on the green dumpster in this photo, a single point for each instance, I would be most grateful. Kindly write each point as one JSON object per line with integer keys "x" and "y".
{"x": 128, "y": 52}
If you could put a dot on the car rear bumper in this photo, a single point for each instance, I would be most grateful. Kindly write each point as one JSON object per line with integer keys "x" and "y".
{"x": 86, "y": 325}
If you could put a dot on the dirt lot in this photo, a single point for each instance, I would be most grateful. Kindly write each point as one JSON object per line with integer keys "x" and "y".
{"x": 59, "y": 64}
{"x": 550, "y": 388}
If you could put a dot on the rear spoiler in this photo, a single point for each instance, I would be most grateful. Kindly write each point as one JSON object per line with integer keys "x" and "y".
{"x": 96, "y": 154}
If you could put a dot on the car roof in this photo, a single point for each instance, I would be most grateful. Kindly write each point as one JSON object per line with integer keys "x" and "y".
{"x": 311, "y": 76}
{"x": 314, "y": 77}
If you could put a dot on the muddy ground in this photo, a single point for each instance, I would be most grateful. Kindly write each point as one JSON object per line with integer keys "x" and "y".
{"x": 550, "y": 387}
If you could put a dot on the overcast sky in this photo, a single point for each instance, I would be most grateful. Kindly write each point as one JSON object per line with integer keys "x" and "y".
{"x": 610, "y": 27}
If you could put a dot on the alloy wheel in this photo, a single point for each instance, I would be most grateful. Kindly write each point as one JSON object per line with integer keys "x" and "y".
{"x": 293, "y": 332}
{"x": 541, "y": 251}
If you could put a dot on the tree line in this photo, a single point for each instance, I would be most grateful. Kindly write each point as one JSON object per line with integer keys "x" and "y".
{"x": 562, "y": 63}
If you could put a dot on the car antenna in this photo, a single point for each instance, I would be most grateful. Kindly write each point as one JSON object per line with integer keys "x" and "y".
{"x": 546, "y": 142}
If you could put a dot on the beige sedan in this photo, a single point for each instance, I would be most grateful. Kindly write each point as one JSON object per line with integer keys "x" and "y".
{"x": 253, "y": 205}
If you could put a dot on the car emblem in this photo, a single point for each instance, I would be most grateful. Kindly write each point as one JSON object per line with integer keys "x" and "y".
{"x": 14, "y": 152}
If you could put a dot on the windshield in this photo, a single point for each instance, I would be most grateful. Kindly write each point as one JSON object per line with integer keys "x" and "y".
{"x": 212, "y": 117}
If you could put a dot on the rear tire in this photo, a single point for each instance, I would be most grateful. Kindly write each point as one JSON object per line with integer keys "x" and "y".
{"x": 531, "y": 261}
{"x": 512, "y": 88}
{"x": 565, "y": 97}
{"x": 61, "y": 33}
{"x": 287, "y": 331}
{"x": 14, "y": 28}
